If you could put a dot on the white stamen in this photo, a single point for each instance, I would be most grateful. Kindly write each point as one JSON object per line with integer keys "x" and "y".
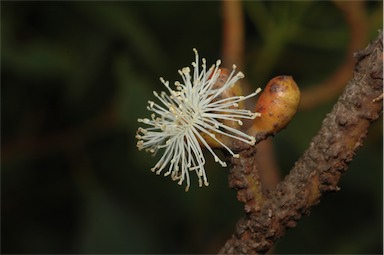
{"x": 194, "y": 107}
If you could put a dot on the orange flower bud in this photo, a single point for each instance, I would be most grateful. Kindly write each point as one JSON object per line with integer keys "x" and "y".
{"x": 235, "y": 90}
{"x": 277, "y": 104}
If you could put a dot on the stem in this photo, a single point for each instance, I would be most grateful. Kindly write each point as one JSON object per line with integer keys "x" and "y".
{"x": 318, "y": 170}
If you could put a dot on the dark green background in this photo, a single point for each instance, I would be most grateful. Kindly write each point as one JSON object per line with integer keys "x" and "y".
{"x": 75, "y": 76}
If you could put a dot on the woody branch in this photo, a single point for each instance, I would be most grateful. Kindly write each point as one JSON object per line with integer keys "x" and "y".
{"x": 268, "y": 215}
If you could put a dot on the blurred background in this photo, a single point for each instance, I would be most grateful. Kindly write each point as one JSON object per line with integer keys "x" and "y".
{"x": 75, "y": 76}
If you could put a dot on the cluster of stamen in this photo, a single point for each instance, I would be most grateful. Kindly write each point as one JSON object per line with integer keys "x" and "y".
{"x": 186, "y": 114}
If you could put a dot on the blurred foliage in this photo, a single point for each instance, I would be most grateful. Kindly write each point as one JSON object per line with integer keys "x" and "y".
{"x": 77, "y": 75}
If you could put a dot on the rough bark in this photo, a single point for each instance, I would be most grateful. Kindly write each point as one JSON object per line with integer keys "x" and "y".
{"x": 269, "y": 214}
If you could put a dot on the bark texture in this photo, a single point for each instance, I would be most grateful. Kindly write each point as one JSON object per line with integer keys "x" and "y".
{"x": 269, "y": 214}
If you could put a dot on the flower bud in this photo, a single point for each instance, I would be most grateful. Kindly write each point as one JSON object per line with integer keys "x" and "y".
{"x": 235, "y": 90}
{"x": 277, "y": 104}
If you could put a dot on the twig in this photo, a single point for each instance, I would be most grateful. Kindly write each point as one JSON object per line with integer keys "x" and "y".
{"x": 233, "y": 52}
{"x": 33, "y": 146}
{"x": 317, "y": 171}
{"x": 233, "y": 33}
{"x": 354, "y": 13}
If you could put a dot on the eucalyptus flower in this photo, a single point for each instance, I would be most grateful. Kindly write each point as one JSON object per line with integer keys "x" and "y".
{"x": 186, "y": 114}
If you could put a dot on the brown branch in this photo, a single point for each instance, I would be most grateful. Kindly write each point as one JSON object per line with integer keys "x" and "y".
{"x": 233, "y": 52}
{"x": 355, "y": 15}
{"x": 268, "y": 215}
{"x": 34, "y": 145}
{"x": 233, "y": 33}
{"x": 267, "y": 164}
